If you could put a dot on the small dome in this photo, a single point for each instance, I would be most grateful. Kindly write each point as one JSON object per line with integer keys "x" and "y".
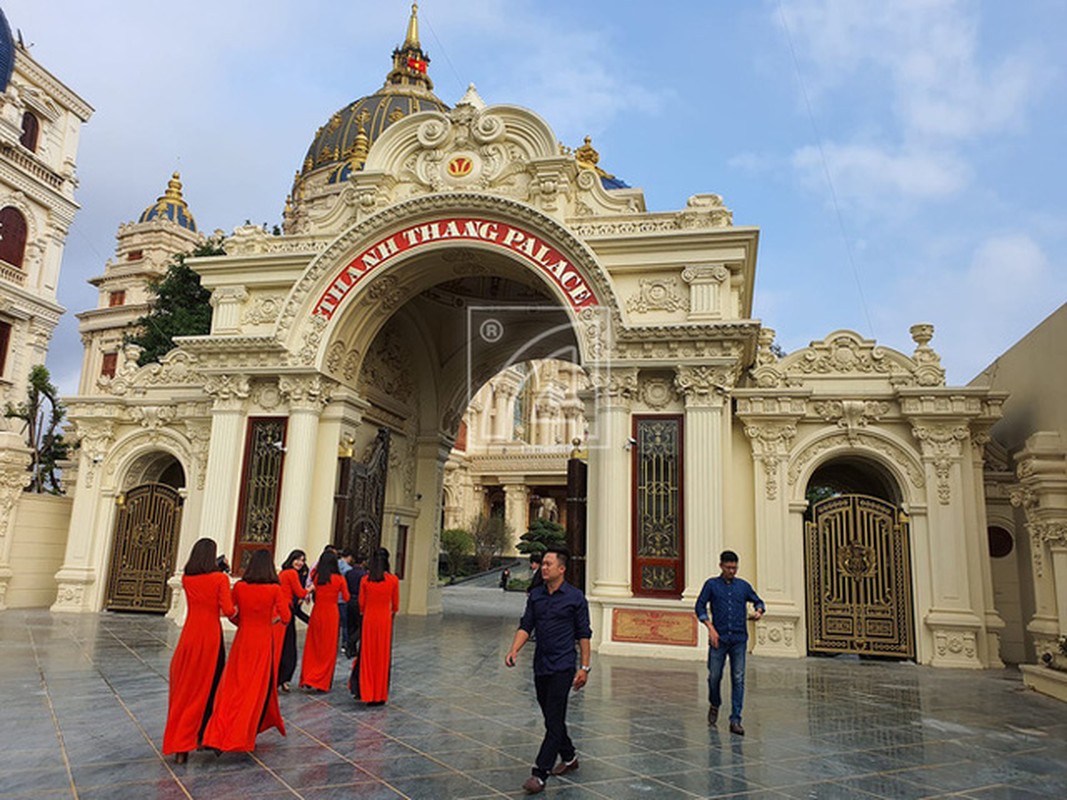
{"x": 7, "y": 52}
{"x": 341, "y": 145}
{"x": 171, "y": 206}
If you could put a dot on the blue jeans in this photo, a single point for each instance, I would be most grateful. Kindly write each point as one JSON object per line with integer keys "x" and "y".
{"x": 716, "y": 661}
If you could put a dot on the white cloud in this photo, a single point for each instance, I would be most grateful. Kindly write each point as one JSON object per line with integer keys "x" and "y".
{"x": 873, "y": 176}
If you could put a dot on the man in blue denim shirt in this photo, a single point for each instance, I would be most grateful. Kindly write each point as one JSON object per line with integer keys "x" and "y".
{"x": 559, "y": 614}
{"x": 729, "y": 597}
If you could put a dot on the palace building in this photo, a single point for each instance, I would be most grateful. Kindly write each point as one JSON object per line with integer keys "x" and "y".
{"x": 461, "y": 315}
{"x": 40, "y": 123}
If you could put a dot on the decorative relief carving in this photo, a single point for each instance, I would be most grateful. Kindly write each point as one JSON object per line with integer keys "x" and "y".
{"x": 615, "y": 387}
{"x": 228, "y": 391}
{"x": 657, "y": 393}
{"x": 705, "y": 384}
{"x": 385, "y": 367}
{"x": 961, "y": 645}
{"x": 95, "y": 439}
{"x": 152, "y": 418}
{"x": 852, "y": 415}
{"x": 305, "y": 392}
{"x": 312, "y": 336}
{"x": 263, "y": 309}
{"x": 771, "y": 442}
{"x": 656, "y": 294}
{"x": 386, "y": 292}
{"x": 176, "y": 368}
{"x": 199, "y": 435}
{"x": 266, "y": 395}
{"x": 871, "y": 442}
{"x": 14, "y": 478}
{"x": 941, "y": 446}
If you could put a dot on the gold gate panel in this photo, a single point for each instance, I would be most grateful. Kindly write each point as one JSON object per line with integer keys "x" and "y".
{"x": 859, "y": 578}
{"x": 144, "y": 548}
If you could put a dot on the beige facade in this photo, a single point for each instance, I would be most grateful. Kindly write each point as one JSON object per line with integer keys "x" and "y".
{"x": 1026, "y": 495}
{"x": 455, "y": 272}
{"x": 40, "y": 122}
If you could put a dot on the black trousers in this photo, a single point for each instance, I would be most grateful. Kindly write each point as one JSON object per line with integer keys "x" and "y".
{"x": 553, "y": 691}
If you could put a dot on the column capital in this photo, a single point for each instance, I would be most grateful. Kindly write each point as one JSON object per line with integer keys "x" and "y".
{"x": 705, "y": 273}
{"x": 704, "y": 384}
{"x": 306, "y": 392}
{"x": 615, "y": 386}
{"x": 228, "y": 391}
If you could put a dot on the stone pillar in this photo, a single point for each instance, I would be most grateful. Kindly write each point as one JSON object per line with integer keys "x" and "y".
{"x": 226, "y": 302}
{"x": 779, "y": 535}
{"x": 307, "y": 395}
{"x": 79, "y": 572}
{"x": 505, "y": 390}
{"x": 14, "y": 478}
{"x": 704, "y": 389}
{"x": 979, "y": 550}
{"x": 221, "y": 486}
{"x": 952, "y": 620}
{"x": 1042, "y": 495}
{"x": 705, "y": 291}
{"x": 516, "y": 508}
{"x": 608, "y": 526}
{"x": 424, "y": 538}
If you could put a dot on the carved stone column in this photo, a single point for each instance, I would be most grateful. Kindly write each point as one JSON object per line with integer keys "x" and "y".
{"x": 226, "y": 302}
{"x": 952, "y": 619}
{"x": 14, "y": 479}
{"x": 705, "y": 291}
{"x": 505, "y": 389}
{"x": 307, "y": 395}
{"x": 704, "y": 389}
{"x": 516, "y": 508}
{"x": 224, "y": 459}
{"x": 779, "y": 545}
{"x": 979, "y": 549}
{"x": 78, "y": 573}
{"x": 610, "y": 482}
{"x": 1042, "y": 472}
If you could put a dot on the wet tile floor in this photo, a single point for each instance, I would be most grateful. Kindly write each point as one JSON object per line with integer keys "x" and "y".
{"x": 83, "y": 703}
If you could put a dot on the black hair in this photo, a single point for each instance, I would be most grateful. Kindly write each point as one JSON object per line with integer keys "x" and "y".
{"x": 728, "y": 557}
{"x": 379, "y": 565}
{"x": 326, "y": 569}
{"x": 563, "y": 555}
{"x": 201, "y": 558}
{"x": 293, "y": 556}
{"x": 260, "y": 568}
{"x": 346, "y": 553}
{"x": 535, "y": 558}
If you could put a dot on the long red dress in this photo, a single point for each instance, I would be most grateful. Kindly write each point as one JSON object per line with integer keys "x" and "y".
{"x": 247, "y": 701}
{"x": 378, "y": 600}
{"x": 293, "y": 591}
{"x": 196, "y": 666}
{"x": 320, "y": 646}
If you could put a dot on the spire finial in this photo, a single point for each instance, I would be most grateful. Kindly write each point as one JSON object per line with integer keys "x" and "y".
{"x": 412, "y": 39}
{"x": 174, "y": 188}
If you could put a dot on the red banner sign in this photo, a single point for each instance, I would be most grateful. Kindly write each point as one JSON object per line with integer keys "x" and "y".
{"x": 522, "y": 243}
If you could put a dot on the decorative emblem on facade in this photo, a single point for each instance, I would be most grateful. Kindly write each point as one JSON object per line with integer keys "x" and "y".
{"x": 856, "y": 560}
{"x": 460, "y": 166}
{"x": 656, "y": 294}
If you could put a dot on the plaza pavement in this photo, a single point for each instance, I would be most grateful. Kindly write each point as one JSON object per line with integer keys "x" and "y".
{"x": 83, "y": 703}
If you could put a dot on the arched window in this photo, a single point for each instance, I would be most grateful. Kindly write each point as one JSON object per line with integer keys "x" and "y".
{"x": 30, "y": 129}
{"x": 12, "y": 236}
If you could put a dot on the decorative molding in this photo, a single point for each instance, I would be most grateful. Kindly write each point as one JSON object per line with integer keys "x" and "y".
{"x": 940, "y": 447}
{"x": 705, "y": 384}
{"x": 852, "y": 415}
{"x": 305, "y": 392}
{"x": 771, "y": 442}
{"x": 892, "y": 451}
{"x": 656, "y": 294}
{"x": 657, "y": 393}
{"x": 14, "y": 478}
{"x": 263, "y": 309}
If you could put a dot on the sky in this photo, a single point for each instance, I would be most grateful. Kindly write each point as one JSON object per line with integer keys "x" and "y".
{"x": 904, "y": 161}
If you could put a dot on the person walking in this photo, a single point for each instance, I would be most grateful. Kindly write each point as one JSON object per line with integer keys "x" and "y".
{"x": 294, "y": 591}
{"x": 559, "y": 614}
{"x": 247, "y": 702}
{"x": 379, "y": 600}
{"x": 320, "y": 646}
{"x": 196, "y": 666}
{"x": 727, "y": 626}
{"x": 344, "y": 566}
{"x": 353, "y": 578}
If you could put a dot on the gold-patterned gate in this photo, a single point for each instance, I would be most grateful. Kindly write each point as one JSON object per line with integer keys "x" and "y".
{"x": 859, "y": 578}
{"x": 144, "y": 548}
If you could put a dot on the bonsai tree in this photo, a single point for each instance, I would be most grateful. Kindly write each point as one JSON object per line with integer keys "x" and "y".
{"x": 543, "y": 534}
{"x": 42, "y": 413}
{"x": 181, "y": 307}
{"x": 455, "y": 544}
{"x": 491, "y": 535}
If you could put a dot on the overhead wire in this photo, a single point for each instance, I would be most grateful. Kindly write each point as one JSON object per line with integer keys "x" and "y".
{"x": 826, "y": 171}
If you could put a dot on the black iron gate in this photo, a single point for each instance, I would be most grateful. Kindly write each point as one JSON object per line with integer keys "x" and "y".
{"x": 359, "y": 503}
{"x": 144, "y": 548}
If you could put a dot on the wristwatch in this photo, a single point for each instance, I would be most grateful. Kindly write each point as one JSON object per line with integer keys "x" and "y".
{"x": 584, "y": 668}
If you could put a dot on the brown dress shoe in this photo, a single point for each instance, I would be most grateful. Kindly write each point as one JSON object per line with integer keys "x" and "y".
{"x": 533, "y": 785}
{"x": 713, "y": 714}
{"x": 563, "y": 767}
{"x": 735, "y": 727}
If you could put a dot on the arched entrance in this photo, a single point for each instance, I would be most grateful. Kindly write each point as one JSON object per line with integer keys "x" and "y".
{"x": 144, "y": 541}
{"x": 857, "y": 561}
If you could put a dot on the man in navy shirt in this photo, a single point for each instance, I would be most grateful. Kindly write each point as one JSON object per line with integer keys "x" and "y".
{"x": 559, "y": 614}
{"x": 729, "y": 597}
